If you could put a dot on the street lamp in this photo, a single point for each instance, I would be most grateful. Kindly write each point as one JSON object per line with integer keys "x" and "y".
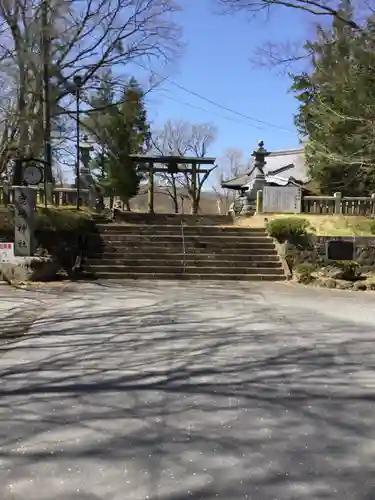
{"x": 78, "y": 82}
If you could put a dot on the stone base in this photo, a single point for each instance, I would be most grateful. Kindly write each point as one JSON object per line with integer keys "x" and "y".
{"x": 29, "y": 269}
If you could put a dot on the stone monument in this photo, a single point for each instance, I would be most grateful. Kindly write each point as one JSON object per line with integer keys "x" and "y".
{"x": 24, "y": 214}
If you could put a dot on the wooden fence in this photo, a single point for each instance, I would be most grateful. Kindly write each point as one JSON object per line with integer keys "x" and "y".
{"x": 339, "y": 205}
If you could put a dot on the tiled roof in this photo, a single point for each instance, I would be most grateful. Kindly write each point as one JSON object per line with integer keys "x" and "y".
{"x": 293, "y": 157}
{"x": 280, "y": 167}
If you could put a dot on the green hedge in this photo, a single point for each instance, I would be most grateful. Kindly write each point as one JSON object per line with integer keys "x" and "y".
{"x": 287, "y": 228}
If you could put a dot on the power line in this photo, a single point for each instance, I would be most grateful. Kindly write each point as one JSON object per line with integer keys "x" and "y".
{"x": 210, "y": 112}
{"x": 221, "y": 106}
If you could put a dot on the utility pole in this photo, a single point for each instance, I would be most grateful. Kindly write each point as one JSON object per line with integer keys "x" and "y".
{"x": 46, "y": 97}
{"x": 78, "y": 82}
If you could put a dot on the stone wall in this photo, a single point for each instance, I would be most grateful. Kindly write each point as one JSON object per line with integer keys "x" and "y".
{"x": 63, "y": 247}
{"x": 364, "y": 248}
{"x": 315, "y": 250}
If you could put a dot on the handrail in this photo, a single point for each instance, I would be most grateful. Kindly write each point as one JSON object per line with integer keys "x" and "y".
{"x": 183, "y": 248}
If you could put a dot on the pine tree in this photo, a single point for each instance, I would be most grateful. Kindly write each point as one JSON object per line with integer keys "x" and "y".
{"x": 121, "y": 130}
{"x": 336, "y": 105}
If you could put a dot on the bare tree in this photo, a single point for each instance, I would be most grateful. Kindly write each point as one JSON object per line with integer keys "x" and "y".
{"x": 283, "y": 55}
{"x": 232, "y": 164}
{"x": 185, "y": 139}
{"x": 59, "y": 174}
{"x": 320, "y": 8}
{"x": 170, "y": 141}
{"x": 86, "y": 38}
{"x": 201, "y": 137}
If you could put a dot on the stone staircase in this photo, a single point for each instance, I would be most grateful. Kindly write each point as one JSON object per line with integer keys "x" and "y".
{"x": 182, "y": 247}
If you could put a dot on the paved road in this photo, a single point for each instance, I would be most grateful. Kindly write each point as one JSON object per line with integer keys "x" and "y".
{"x": 179, "y": 392}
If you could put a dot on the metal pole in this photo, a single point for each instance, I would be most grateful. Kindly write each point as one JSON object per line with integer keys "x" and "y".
{"x": 46, "y": 99}
{"x": 102, "y": 173}
{"x": 77, "y": 146}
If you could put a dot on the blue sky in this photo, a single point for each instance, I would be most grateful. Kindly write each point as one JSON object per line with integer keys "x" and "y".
{"x": 216, "y": 64}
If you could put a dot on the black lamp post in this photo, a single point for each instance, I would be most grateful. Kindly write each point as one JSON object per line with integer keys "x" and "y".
{"x": 78, "y": 82}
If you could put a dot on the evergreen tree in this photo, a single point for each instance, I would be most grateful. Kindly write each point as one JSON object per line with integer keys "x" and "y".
{"x": 121, "y": 130}
{"x": 337, "y": 100}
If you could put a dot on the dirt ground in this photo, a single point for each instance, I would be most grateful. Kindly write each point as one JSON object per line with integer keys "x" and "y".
{"x": 321, "y": 225}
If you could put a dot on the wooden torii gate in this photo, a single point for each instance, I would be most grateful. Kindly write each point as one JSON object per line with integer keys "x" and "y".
{"x": 171, "y": 165}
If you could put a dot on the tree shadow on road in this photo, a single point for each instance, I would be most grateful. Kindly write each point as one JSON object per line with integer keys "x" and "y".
{"x": 161, "y": 404}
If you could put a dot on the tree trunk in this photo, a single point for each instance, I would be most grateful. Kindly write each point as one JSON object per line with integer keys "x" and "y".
{"x": 175, "y": 205}
{"x": 174, "y": 195}
{"x": 195, "y": 207}
{"x": 196, "y": 202}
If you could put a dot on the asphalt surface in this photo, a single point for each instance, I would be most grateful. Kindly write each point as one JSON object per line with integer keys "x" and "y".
{"x": 162, "y": 391}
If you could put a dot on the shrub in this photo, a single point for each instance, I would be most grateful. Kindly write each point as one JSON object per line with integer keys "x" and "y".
{"x": 303, "y": 272}
{"x": 288, "y": 229}
{"x": 6, "y": 220}
{"x": 306, "y": 268}
{"x": 342, "y": 269}
{"x": 53, "y": 219}
{"x": 296, "y": 255}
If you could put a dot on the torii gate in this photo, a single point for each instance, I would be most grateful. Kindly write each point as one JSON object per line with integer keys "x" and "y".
{"x": 171, "y": 166}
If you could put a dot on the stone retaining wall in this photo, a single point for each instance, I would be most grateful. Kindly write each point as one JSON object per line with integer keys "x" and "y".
{"x": 364, "y": 247}
{"x": 364, "y": 250}
{"x": 62, "y": 248}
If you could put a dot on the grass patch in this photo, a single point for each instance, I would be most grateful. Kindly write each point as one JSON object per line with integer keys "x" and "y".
{"x": 55, "y": 219}
{"x": 320, "y": 225}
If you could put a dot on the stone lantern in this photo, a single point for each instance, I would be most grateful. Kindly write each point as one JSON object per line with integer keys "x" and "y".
{"x": 259, "y": 156}
{"x": 86, "y": 179}
{"x": 257, "y": 179}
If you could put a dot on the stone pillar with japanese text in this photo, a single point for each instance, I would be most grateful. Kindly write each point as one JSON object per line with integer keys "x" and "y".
{"x": 24, "y": 215}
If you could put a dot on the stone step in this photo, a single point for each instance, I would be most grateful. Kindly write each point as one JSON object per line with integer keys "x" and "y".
{"x": 102, "y": 220}
{"x": 156, "y": 262}
{"x": 189, "y": 247}
{"x": 174, "y": 229}
{"x": 184, "y": 276}
{"x": 170, "y": 257}
{"x": 177, "y": 234}
{"x": 177, "y": 238}
{"x": 188, "y": 269}
{"x": 145, "y": 218}
{"x": 161, "y": 250}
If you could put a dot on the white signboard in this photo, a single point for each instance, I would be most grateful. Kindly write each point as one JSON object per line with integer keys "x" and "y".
{"x": 6, "y": 252}
{"x": 282, "y": 199}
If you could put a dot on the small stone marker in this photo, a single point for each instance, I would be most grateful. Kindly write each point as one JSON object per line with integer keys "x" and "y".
{"x": 340, "y": 250}
{"x": 25, "y": 204}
